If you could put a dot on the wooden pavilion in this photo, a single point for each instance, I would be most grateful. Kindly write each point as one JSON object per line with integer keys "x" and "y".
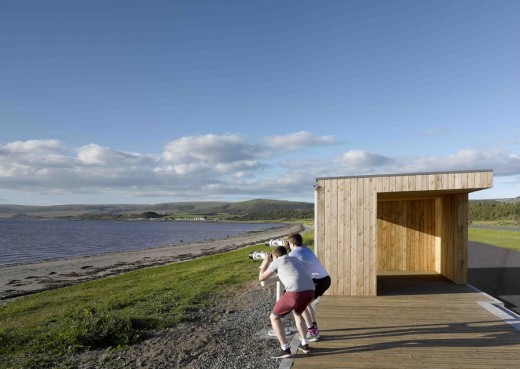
{"x": 410, "y": 223}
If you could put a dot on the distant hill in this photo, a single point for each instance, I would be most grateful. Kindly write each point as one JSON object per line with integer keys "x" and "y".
{"x": 252, "y": 209}
{"x": 513, "y": 200}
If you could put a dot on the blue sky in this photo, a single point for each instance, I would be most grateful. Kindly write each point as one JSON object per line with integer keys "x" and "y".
{"x": 159, "y": 101}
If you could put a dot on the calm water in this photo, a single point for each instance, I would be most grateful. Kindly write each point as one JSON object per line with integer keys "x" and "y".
{"x": 25, "y": 241}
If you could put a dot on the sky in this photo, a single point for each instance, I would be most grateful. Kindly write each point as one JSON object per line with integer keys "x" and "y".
{"x": 145, "y": 102}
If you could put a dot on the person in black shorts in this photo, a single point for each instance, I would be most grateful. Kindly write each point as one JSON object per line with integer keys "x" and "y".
{"x": 319, "y": 275}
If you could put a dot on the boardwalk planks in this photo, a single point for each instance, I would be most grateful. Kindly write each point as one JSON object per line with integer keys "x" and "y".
{"x": 419, "y": 321}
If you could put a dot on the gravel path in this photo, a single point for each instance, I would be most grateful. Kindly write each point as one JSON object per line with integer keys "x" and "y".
{"x": 223, "y": 336}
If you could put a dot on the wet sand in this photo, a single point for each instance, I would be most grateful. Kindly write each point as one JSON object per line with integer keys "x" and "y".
{"x": 23, "y": 279}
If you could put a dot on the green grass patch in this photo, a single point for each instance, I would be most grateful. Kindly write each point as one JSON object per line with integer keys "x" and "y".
{"x": 497, "y": 223}
{"x": 40, "y": 330}
{"x": 501, "y": 238}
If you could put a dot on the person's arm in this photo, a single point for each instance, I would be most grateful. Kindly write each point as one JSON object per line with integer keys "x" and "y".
{"x": 265, "y": 273}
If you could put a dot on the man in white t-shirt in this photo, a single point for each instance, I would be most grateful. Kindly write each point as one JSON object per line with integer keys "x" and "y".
{"x": 299, "y": 292}
{"x": 319, "y": 276}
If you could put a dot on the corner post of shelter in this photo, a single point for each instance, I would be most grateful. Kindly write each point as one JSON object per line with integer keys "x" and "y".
{"x": 316, "y": 190}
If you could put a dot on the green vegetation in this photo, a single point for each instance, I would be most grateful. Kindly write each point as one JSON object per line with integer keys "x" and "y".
{"x": 41, "y": 330}
{"x": 500, "y": 238}
{"x": 115, "y": 311}
{"x": 493, "y": 210}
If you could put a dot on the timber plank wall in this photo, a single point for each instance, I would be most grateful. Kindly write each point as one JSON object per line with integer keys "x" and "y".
{"x": 402, "y": 222}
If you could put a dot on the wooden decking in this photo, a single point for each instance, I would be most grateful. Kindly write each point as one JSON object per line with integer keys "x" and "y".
{"x": 415, "y": 322}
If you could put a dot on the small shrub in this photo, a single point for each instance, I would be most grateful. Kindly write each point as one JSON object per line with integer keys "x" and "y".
{"x": 92, "y": 327}
{"x": 308, "y": 239}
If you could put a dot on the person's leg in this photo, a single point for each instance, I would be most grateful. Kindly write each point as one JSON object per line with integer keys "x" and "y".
{"x": 302, "y": 330}
{"x": 303, "y": 300}
{"x": 310, "y": 316}
{"x": 310, "y": 321}
{"x": 279, "y": 330}
{"x": 300, "y": 325}
{"x": 321, "y": 285}
{"x": 312, "y": 326}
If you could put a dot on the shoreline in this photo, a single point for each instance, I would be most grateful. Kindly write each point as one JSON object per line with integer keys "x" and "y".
{"x": 23, "y": 279}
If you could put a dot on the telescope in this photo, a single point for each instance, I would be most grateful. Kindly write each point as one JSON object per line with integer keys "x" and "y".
{"x": 257, "y": 255}
{"x": 276, "y": 242}
{"x": 261, "y": 255}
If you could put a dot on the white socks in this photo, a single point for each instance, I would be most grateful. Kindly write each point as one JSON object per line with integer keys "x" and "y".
{"x": 287, "y": 345}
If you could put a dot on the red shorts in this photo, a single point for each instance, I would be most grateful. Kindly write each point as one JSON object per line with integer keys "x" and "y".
{"x": 290, "y": 301}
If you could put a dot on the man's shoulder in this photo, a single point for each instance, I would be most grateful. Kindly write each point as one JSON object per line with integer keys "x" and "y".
{"x": 298, "y": 249}
{"x": 291, "y": 259}
{"x": 302, "y": 251}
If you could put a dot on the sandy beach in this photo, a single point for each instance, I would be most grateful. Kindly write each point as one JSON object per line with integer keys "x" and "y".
{"x": 22, "y": 279}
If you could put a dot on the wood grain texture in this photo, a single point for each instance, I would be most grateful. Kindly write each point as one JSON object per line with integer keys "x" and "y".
{"x": 409, "y": 222}
{"x": 421, "y": 321}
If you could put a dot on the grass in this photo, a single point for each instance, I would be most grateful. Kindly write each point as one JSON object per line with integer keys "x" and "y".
{"x": 42, "y": 330}
{"x": 501, "y": 238}
{"x": 498, "y": 223}
{"x": 115, "y": 311}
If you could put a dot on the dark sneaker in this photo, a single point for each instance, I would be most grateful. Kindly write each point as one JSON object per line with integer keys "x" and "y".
{"x": 313, "y": 335}
{"x": 305, "y": 348}
{"x": 280, "y": 354}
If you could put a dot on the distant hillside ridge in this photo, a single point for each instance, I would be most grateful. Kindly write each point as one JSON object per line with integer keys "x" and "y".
{"x": 257, "y": 209}
{"x": 244, "y": 209}
{"x": 506, "y": 200}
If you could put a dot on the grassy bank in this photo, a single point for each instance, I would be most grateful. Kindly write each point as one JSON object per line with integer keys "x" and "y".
{"x": 41, "y": 330}
{"x": 36, "y": 331}
{"x": 501, "y": 238}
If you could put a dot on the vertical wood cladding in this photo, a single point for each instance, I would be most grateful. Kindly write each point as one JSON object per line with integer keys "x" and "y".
{"x": 406, "y": 235}
{"x": 413, "y": 222}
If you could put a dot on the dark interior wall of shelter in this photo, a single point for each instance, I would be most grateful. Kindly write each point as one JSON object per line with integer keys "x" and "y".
{"x": 495, "y": 271}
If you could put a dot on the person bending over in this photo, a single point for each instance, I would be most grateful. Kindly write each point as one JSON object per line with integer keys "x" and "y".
{"x": 319, "y": 275}
{"x": 299, "y": 292}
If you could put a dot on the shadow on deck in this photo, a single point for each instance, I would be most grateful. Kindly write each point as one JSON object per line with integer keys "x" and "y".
{"x": 417, "y": 321}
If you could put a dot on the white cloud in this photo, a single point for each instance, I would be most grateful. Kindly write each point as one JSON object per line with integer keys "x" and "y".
{"x": 502, "y": 163}
{"x": 298, "y": 140}
{"x": 362, "y": 160}
{"x": 44, "y": 152}
{"x": 99, "y": 155}
{"x": 32, "y": 146}
{"x": 212, "y": 166}
{"x": 210, "y": 149}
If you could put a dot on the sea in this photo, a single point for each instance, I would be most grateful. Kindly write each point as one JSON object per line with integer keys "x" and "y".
{"x": 28, "y": 241}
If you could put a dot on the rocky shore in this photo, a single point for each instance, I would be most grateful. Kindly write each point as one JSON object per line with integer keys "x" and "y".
{"x": 23, "y": 279}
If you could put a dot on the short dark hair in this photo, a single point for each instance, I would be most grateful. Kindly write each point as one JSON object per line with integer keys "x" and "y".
{"x": 280, "y": 251}
{"x": 296, "y": 239}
